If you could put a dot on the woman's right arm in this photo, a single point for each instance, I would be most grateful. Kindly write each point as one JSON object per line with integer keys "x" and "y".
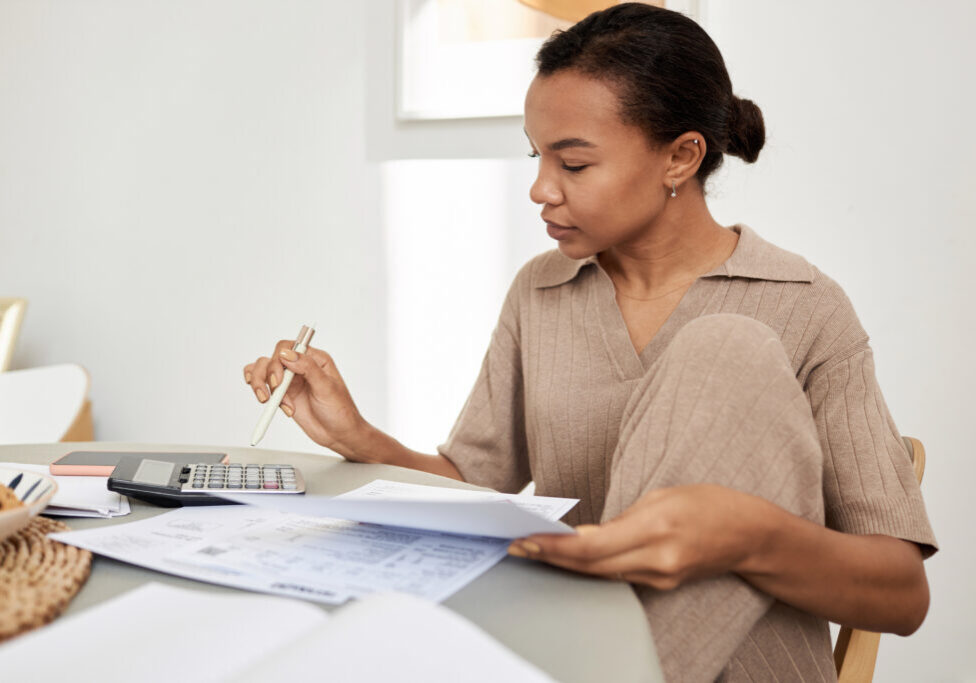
{"x": 320, "y": 403}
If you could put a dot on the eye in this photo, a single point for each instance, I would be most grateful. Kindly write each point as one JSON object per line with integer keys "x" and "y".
{"x": 574, "y": 169}
{"x": 533, "y": 154}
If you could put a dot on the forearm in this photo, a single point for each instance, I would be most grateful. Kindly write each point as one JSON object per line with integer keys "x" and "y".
{"x": 370, "y": 445}
{"x": 875, "y": 583}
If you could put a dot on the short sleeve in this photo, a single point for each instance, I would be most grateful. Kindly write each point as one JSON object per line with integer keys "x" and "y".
{"x": 869, "y": 483}
{"x": 487, "y": 443}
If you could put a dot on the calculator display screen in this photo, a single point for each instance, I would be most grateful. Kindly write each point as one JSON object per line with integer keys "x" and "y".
{"x": 153, "y": 472}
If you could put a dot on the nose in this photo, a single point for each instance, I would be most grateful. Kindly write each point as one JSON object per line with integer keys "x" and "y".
{"x": 545, "y": 190}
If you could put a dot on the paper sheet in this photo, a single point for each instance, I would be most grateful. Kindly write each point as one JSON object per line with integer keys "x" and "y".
{"x": 317, "y": 558}
{"x": 80, "y": 496}
{"x": 157, "y": 634}
{"x": 434, "y": 508}
{"x": 154, "y": 542}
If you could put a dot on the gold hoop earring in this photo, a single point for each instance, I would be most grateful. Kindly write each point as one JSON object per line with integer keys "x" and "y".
{"x": 674, "y": 189}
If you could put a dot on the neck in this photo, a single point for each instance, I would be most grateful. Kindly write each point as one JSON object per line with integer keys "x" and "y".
{"x": 683, "y": 244}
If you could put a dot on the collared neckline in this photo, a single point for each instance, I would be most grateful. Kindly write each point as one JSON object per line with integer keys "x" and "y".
{"x": 753, "y": 258}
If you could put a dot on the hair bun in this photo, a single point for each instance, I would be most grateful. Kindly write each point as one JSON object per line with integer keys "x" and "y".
{"x": 747, "y": 132}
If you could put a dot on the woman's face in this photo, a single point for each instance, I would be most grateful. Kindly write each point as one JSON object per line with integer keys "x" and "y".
{"x": 600, "y": 183}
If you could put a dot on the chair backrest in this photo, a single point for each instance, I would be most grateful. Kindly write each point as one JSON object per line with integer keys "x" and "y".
{"x": 856, "y": 651}
{"x": 44, "y": 405}
{"x": 11, "y": 314}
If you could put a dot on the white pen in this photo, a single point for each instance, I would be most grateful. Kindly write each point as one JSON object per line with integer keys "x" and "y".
{"x": 271, "y": 407}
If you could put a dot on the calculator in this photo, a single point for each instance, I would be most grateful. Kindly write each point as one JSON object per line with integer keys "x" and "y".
{"x": 175, "y": 484}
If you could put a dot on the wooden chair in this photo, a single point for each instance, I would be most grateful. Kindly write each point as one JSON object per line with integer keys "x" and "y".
{"x": 856, "y": 651}
{"x": 45, "y": 405}
{"x": 11, "y": 314}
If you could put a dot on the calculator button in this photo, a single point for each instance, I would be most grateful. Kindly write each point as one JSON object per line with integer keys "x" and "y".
{"x": 270, "y": 485}
{"x": 249, "y": 485}
{"x": 289, "y": 486}
{"x": 234, "y": 485}
{"x": 197, "y": 485}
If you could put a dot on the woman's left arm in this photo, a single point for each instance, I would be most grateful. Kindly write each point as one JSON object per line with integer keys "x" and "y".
{"x": 674, "y": 535}
{"x": 871, "y": 582}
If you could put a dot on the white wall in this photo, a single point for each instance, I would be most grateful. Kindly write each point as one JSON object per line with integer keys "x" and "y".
{"x": 181, "y": 185}
{"x": 183, "y": 182}
{"x": 868, "y": 171}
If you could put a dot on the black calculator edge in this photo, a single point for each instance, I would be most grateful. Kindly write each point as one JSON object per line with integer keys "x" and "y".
{"x": 164, "y": 498}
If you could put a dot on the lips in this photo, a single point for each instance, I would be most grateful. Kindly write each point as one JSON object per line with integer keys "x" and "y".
{"x": 558, "y": 231}
{"x": 558, "y": 225}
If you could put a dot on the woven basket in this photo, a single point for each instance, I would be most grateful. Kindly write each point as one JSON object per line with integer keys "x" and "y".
{"x": 38, "y": 576}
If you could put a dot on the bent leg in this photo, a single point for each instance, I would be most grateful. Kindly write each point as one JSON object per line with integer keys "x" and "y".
{"x": 722, "y": 405}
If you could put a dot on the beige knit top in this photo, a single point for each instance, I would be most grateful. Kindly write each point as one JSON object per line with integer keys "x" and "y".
{"x": 547, "y": 404}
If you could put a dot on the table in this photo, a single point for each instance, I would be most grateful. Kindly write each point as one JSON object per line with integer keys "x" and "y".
{"x": 574, "y": 627}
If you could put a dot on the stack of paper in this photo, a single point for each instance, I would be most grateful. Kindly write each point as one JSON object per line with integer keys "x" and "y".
{"x": 423, "y": 540}
{"x": 80, "y": 496}
{"x": 144, "y": 635}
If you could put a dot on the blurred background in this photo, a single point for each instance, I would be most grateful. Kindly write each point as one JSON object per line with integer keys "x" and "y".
{"x": 183, "y": 183}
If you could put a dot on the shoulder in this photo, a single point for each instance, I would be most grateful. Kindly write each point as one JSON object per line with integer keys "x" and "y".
{"x": 840, "y": 334}
{"x": 817, "y": 320}
{"x": 756, "y": 259}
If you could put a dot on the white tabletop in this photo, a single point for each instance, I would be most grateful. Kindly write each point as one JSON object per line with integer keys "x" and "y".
{"x": 574, "y": 627}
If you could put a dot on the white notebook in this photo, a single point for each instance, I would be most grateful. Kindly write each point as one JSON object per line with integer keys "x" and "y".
{"x": 166, "y": 634}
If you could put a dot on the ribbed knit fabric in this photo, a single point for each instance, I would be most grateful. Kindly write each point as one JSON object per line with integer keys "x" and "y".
{"x": 784, "y": 405}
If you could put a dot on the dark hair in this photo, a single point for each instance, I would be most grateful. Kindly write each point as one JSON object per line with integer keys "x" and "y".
{"x": 669, "y": 76}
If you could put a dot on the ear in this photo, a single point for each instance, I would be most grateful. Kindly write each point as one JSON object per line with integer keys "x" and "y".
{"x": 687, "y": 152}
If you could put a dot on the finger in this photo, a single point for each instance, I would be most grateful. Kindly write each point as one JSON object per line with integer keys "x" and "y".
{"x": 629, "y": 566}
{"x": 248, "y": 370}
{"x": 258, "y": 376}
{"x": 591, "y": 542}
{"x": 295, "y": 389}
{"x": 275, "y": 370}
{"x": 308, "y": 370}
{"x": 324, "y": 361}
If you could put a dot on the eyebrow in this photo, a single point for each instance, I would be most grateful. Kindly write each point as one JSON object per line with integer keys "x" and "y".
{"x": 566, "y": 143}
{"x": 570, "y": 142}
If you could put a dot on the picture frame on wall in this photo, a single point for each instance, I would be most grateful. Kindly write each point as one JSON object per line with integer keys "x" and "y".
{"x": 473, "y": 58}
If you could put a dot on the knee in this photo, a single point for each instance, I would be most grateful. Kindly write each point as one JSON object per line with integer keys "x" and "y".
{"x": 725, "y": 327}
{"x": 726, "y": 333}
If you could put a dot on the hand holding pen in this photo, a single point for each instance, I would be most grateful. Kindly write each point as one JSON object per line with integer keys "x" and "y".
{"x": 314, "y": 395}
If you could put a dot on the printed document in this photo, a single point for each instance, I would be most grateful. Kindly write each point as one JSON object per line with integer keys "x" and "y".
{"x": 324, "y": 558}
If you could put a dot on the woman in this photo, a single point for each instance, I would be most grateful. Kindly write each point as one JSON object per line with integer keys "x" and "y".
{"x": 709, "y": 397}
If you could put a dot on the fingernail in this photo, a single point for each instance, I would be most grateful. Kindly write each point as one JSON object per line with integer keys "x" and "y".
{"x": 286, "y": 410}
{"x": 516, "y": 551}
{"x": 247, "y": 377}
{"x": 261, "y": 395}
{"x": 531, "y": 547}
{"x": 288, "y": 354}
{"x": 273, "y": 381}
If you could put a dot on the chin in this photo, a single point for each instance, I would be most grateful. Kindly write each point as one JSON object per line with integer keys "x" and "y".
{"x": 574, "y": 251}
